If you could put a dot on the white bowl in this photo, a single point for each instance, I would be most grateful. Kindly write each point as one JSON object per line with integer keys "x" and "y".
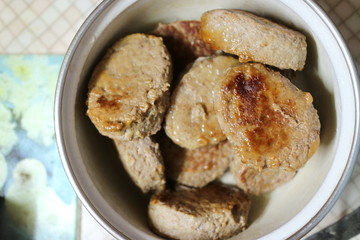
{"x": 291, "y": 210}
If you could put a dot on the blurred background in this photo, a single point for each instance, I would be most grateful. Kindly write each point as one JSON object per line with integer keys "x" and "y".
{"x": 36, "y": 199}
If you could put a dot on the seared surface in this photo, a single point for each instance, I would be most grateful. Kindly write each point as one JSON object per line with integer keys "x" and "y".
{"x": 269, "y": 121}
{"x": 196, "y": 167}
{"x": 191, "y": 120}
{"x": 129, "y": 89}
{"x": 215, "y": 211}
{"x": 143, "y": 162}
{"x": 254, "y": 38}
{"x": 183, "y": 42}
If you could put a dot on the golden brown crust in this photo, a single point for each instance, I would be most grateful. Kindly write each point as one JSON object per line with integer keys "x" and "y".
{"x": 191, "y": 120}
{"x": 253, "y": 38}
{"x": 128, "y": 96}
{"x": 267, "y": 119}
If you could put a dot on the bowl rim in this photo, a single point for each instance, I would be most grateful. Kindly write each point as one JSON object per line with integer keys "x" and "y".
{"x": 317, "y": 217}
{"x": 355, "y": 147}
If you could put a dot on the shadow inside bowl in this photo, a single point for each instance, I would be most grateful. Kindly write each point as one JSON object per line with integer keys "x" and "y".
{"x": 258, "y": 205}
{"x": 324, "y": 101}
{"x": 107, "y": 172}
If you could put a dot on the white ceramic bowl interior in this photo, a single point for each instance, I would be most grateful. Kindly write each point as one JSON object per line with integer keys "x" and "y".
{"x": 288, "y": 212}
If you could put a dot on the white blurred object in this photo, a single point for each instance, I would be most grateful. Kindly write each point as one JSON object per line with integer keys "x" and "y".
{"x": 35, "y": 207}
{"x": 31, "y": 95}
{"x": 37, "y": 121}
{"x": 3, "y": 170}
{"x": 8, "y": 137}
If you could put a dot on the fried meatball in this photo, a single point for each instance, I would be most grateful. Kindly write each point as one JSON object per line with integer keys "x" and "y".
{"x": 216, "y": 211}
{"x": 254, "y": 38}
{"x": 129, "y": 90}
{"x": 267, "y": 119}
{"x": 191, "y": 120}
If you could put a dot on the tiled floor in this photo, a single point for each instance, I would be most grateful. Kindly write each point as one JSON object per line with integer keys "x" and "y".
{"x": 47, "y": 27}
{"x": 41, "y": 26}
{"x": 346, "y": 15}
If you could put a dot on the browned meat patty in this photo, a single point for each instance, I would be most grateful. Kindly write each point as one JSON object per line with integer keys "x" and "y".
{"x": 253, "y": 181}
{"x": 254, "y": 38}
{"x": 129, "y": 89}
{"x": 191, "y": 120}
{"x": 215, "y": 211}
{"x": 268, "y": 120}
{"x": 196, "y": 167}
{"x": 143, "y": 162}
{"x": 183, "y": 42}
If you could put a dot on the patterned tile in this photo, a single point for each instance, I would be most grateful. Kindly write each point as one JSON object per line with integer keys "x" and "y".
{"x": 353, "y": 23}
{"x": 331, "y": 3}
{"x": 7, "y": 15}
{"x": 345, "y": 32}
{"x": 344, "y": 9}
{"x": 346, "y": 15}
{"x": 355, "y": 3}
{"x": 41, "y": 26}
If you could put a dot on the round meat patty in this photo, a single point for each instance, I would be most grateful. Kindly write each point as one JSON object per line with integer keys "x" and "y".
{"x": 216, "y": 211}
{"x": 129, "y": 90}
{"x": 253, "y": 38}
{"x": 183, "y": 42}
{"x": 256, "y": 182}
{"x": 191, "y": 120}
{"x": 197, "y": 167}
{"x": 143, "y": 162}
{"x": 268, "y": 120}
